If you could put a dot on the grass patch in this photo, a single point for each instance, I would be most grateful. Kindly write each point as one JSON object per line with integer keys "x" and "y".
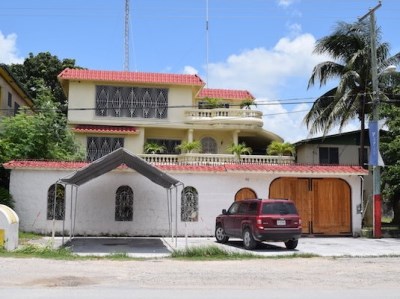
{"x": 31, "y": 250}
{"x": 202, "y": 253}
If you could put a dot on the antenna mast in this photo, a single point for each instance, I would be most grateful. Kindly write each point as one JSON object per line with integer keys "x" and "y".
{"x": 126, "y": 39}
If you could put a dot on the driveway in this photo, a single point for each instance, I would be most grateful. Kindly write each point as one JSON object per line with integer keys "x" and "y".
{"x": 153, "y": 247}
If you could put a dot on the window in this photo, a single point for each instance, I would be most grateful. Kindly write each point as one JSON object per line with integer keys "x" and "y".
{"x": 189, "y": 205}
{"x": 124, "y": 204}
{"x": 9, "y": 100}
{"x": 57, "y": 210}
{"x": 209, "y": 145}
{"x": 133, "y": 102}
{"x": 328, "y": 155}
{"x": 98, "y": 147}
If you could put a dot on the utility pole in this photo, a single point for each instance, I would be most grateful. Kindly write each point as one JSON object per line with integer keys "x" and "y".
{"x": 374, "y": 128}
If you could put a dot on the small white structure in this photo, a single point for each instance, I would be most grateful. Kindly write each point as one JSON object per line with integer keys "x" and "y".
{"x": 9, "y": 226}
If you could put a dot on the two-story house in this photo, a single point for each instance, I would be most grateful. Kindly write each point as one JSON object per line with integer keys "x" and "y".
{"x": 110, "y": 110}
{"x": 12, "y": 94}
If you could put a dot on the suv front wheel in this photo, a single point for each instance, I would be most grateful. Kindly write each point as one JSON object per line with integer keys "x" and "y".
{"x": 248, "y": 239}
{"x": 220, "y": 234}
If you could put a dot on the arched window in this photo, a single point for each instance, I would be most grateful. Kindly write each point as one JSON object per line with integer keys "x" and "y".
{"x": 124, "y": 204}
{"x": 56, "y": 208}
{"x": 209, "y": 145}
{"x": 189, "y": 205}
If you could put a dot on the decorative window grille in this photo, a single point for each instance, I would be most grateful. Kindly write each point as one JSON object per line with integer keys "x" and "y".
{"x": 124, "y": 204}
{"x": 209, "y": 145}
{"x": 98, "y": 147}
{"x": 189, "y": 205}
{"x": 133, "y": 102}
{"x": 58, "y": 211}
{"x": 169, "y": 144}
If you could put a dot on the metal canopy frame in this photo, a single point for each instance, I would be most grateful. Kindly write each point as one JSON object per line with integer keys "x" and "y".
{"x": 109, "y": 162}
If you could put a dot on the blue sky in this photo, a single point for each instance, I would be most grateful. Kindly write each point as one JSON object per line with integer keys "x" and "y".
{"x": 264, "y": 46}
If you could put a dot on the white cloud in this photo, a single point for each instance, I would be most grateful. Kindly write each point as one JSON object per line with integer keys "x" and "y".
{"x": 285, "y": 3}
{"x": 190, "y": 70}
{"x": 281, "y": 72}
{"x": 8, "y": 49}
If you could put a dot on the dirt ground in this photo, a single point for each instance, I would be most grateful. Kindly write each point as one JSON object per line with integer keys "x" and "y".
{"x": 326, "y": 273}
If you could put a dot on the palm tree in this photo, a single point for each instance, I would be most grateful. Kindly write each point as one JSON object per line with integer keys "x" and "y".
{"x": 247, "y": 103}
{"x": 239, "y": 149}
{"x": 281, "y": 149}
{"x": 349, "y": 46}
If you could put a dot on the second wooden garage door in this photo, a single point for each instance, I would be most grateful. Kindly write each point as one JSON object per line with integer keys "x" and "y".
{"x": 324, "y": 204}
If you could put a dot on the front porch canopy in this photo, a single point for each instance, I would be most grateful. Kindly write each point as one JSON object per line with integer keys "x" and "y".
{"x": 115, "y": 159}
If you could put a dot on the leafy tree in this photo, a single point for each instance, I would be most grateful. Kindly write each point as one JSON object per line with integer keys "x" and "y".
{"x": 350, "y": 48}
{"x": 41, "y": 71}
{"x": 43, "y": 135}
{"x": 281, "y": 149}
{"x": 390, "y": 150}
{"x": 239, "y": 149}
{"x": 6, "y": 198}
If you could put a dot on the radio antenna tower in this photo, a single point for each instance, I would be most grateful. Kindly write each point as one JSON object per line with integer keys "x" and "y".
{"x": 126, "y": 39}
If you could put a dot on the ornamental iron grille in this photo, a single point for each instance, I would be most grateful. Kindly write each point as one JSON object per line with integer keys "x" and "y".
{"x": 124, "y": 204}
{"x": 133, "y": 102}
{"x": 98, "y": 147}
{"x": 189, "y": 205}
{"x": 169, "y": 144}
{"x": 208, "y": 145}
{"x": 59, "y": 210}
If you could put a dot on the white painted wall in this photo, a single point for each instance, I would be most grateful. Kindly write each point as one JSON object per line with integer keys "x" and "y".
{"x": 96, "y": 201}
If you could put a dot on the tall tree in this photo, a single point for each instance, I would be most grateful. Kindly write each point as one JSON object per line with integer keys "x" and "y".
{"x": 350, "y": 48}
{"x": 40, "y": 71}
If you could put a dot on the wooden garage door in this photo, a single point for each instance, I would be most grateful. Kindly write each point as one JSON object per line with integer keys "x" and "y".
{"x": 245, "y": 193}
{"x": 324, "y": 204}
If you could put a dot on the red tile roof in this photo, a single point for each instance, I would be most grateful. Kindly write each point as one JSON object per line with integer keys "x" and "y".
{"x": 229, "y": 94}
{"x": 232, "y": 168}
{"x": 105, "y": 129}
{"x": 130, "y": 77}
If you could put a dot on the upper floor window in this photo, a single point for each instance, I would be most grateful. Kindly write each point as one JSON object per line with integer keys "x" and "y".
{"x": 134, "y": 102}
{"x": 124, "y": 204}
{"x": 328, "y": 155}
{"x": 209, "y": 145}
{"x": 56, "y": 202}
{"x": 98, "y": 147}
{"x": 9, "y": 100}
{"x": 169, "y": 145}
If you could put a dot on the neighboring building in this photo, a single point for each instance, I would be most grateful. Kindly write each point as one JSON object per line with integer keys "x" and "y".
{"x": 339, "y": 149}
{"x": 12, "y": 94}
{"x": 109, "y": 110}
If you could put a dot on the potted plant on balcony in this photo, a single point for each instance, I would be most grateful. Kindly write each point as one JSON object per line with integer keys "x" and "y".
{"x": 189, "y": 146}
{"x": 281, "y": 149}
{"x": 239, "y": 149}
{"x": 213, "y": 103}
{"x": 154, "y": 148}
{"x": 246, "y": 103}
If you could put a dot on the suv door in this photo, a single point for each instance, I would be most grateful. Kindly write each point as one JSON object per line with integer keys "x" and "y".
{"x": 229, "y": 219}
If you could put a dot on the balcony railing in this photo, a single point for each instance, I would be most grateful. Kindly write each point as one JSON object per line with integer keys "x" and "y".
{"x": 195, "y": 158}
{"x": 224, "y": 115}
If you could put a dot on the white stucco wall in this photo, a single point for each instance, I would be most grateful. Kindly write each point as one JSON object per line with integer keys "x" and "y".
{"x": 96, "y": 201}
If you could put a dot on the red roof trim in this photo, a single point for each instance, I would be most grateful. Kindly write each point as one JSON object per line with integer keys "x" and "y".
{"x": 130, "y": 77}
{"x": 231, "y": 94}
{"x": 105, "y": 129}
{"x": 255, "y": 168}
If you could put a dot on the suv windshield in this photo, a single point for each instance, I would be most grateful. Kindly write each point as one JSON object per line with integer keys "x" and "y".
{"x": 278, "y": 208}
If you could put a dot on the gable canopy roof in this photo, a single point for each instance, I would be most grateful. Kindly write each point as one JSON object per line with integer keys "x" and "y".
{"x": 115, "y": 159}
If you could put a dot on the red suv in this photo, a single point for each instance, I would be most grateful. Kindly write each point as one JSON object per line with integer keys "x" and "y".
{"x": 259, "y": 220}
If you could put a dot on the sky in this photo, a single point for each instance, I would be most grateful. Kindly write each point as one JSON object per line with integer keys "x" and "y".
{"x": 263, "y": 46}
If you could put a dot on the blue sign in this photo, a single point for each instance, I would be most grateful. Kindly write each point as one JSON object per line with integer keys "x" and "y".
{"x": 375, "y": 158}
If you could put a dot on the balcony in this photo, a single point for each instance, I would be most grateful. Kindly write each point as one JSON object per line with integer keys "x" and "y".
{"x": 196, "y": 158}
{"x": 224, "y": 116}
